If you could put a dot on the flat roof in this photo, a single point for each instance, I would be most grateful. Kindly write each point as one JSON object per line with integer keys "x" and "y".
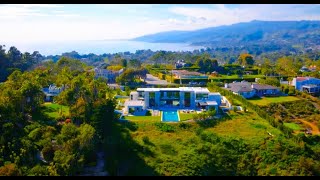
{"x": 211, "y": 103}
{"x": 187, "y": 89}
{"x": 215, "y": 93}
{"x": 134, "y": 103}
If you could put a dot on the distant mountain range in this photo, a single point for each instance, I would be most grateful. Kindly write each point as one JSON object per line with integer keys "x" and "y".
{"x": 305, "y": 34}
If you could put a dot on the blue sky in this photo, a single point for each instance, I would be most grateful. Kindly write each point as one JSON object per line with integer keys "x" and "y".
{"x": 61, "y": 22}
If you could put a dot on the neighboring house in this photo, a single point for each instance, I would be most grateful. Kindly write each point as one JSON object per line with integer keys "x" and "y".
{"x": 242, "y": 88}
{"x": 215, "y": 74}
{"x": 310, "y": 85}
{"x": 177, "y": 98}
{"x": 266, "y": 90}
{"x": 135, "y": 105}
{"x": 249, "y": 90}
{"x": 51, "y": 92}
{"x": 304, "y": 69}
{"x": 109, "y": 75}
{"x": 311, "y": 68}
{"x": 180, "y": 64}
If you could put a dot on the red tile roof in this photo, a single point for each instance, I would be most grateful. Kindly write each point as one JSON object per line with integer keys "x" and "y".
{"x": 302, "y": 78}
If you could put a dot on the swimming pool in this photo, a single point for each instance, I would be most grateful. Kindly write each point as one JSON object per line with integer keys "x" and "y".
{"x": 170, "y": 116}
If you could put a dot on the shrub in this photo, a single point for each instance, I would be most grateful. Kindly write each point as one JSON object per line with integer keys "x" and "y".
{"x": 168, "y": 149}
{"x": 146, "y": 139}
{"x": 235, "y": 108}
{"x": 184, "y": 126}
{"x": 286, "y": 90}
{"x": 148, "y": 113}
{"x": 48, "y": 153}
{"x": 164, "y": 127}
{"x": 244, "y": 108}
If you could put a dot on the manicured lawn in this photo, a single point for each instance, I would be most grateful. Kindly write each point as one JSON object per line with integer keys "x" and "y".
{"x": 143, "y": 118}
{"x": 186, "y": 116}
{"x": 293, "y": 126}
{"x": 48, "y": 113}
{"x": 267, "y": 100}
{"x": 53, "y": 110}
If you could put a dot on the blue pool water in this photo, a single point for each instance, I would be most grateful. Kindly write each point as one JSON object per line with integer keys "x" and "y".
{"x": 170, "y": 116}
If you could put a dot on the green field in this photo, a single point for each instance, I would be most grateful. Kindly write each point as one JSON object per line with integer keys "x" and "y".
{"x": 176, "y": 152}
{"x": 248, "y": 126}
{"x": 293, "y": 126}
{"x": 50, "y": 112}
{"x": 186, "y": 116}
{"x": 56, "y": 110}
{"x": 267, "y": 100}
{"x": 143, "y": 118}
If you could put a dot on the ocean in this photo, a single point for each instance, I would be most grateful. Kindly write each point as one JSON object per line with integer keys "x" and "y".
{"x": 97, "y": 47}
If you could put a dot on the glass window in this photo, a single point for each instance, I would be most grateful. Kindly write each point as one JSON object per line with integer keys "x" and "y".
{"x": 201, "y": 96}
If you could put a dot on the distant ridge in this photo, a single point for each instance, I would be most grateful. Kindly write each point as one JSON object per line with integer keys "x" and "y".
{"x": 306, "y": 33}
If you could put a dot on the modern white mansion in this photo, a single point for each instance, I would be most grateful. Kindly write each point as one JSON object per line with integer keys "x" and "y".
{"x": 177, "y": 98}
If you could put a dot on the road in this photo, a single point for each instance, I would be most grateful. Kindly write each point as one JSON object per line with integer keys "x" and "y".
{"x": 155, "y": 80}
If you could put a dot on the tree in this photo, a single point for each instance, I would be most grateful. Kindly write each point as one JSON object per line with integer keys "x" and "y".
{"x": 245, "y": 60}
{"x": 10, "y": 170}
{"x": 266, "y": 67}
{"x": 206, "y": 64}
{"x": 288, "y": 66}
{"x": 124, "y": 62}
{"x": 103, "y": 117}
{"x": 126, "y": 77}
{"x": 134, "y": 63}
{"x": 270, "y": 80}
{"x": 158, "y": 58}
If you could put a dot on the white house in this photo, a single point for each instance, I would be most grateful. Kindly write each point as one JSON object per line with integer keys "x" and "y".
{"x": 51, "y": 92}
{"x": 176, "y": 98}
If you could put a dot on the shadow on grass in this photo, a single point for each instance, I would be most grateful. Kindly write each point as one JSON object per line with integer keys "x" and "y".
{"x": 130, "y": 125}
{"x": 124, "y": 156}
{"x": 42, "y": 118}
{"x": 208, "y": 123}
{"x": 255, "y": 98}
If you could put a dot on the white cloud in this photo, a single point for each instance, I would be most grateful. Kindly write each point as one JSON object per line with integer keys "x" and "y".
{"x": 30, "y": 10}
{"x": 38, "y": 5}
{"x": 216, "y": 15}
{"x": 44, "y": 22}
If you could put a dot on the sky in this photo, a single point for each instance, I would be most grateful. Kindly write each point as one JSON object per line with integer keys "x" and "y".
{"x": 66, "y": 22}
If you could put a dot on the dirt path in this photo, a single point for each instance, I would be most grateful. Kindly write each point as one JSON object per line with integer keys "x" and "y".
{"x": 98, "y": 170}
{"x": 315, "y": 129}
{"x": 316, "y": 105}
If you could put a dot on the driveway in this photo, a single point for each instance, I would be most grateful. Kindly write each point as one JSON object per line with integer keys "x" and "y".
{"x": 155, "y": 80}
